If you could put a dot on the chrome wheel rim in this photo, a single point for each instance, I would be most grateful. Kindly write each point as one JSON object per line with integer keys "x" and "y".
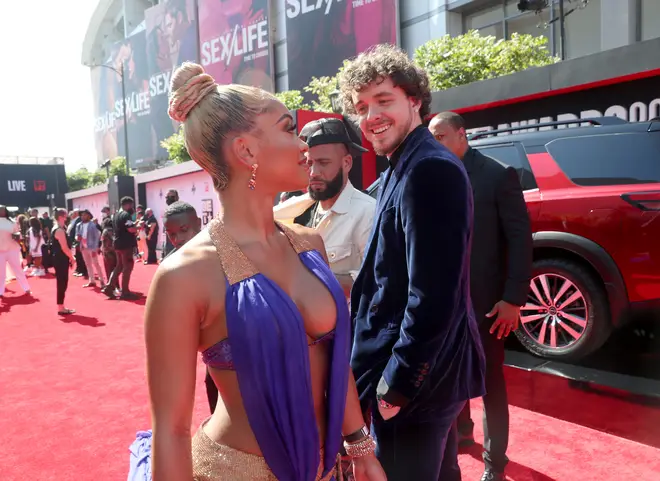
{"x": 556, "y": 312}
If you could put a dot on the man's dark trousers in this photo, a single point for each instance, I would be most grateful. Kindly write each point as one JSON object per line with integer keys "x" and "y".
{"x": 124, "y": 267}
{"x": 412, "y": 435}
{"x": 496, "y": 406}
{"x": 81, "y": 268}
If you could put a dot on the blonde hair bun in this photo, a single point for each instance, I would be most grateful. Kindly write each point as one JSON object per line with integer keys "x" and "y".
{"x": 190, "y": 84}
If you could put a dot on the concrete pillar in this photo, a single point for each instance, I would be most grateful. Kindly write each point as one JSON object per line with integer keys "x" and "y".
{"x": 133, "y": 14}
{"x": 618, "y": 23}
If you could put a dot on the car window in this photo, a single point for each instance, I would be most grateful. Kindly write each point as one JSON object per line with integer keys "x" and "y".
{"x": 512, "y": 155}
{"x": 612, "y": 159}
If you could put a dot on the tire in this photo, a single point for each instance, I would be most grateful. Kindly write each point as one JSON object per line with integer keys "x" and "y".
{"x": 587, "y": 315}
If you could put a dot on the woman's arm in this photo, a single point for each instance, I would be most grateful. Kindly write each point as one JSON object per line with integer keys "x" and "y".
{"x": 353, "y": 417}
{"x": 172, "y": 324}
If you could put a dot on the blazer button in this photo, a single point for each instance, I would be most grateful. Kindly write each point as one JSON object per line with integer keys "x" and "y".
{"x": 373, "y": 309}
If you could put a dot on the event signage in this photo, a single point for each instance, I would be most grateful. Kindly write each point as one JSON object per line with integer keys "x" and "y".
{"x": 321, "y": 34}
{"x": 171, "y": 30}
{"x": 29, "y": 185}
{"x": 130, "y": 57}
{"x": 634, "y": 100}
{"x": 235, "y": 44}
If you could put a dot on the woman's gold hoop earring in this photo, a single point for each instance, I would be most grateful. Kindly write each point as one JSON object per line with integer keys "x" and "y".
{"x": 253, "y": 178}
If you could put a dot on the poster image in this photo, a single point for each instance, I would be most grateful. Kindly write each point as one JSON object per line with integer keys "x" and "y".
{"x": 171, "y": 32}
{"x": 207, "y": 211}
{"x": 128, "y": 57}
{"x": 235, "y": 44}
{"x": 322, "y": 34}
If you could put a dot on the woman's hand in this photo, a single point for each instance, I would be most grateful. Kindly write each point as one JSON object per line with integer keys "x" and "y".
{"x": 368, "y": 468}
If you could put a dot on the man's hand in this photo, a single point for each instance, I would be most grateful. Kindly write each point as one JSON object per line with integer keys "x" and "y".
{"x": 506, "y": 316}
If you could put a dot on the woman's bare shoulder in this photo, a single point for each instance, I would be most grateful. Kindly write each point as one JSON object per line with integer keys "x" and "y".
{"x": 194, "y": 267}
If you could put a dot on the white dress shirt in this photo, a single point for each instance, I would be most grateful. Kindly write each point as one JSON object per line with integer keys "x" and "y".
{"x": 345, "y": 227}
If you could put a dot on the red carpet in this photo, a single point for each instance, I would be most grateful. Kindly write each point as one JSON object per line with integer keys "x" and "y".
{"x": 73, "y": 394}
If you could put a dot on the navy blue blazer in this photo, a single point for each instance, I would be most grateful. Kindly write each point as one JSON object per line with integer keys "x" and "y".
{"x": 415, "y": 328}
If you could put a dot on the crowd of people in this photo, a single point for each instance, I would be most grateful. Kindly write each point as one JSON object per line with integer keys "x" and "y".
{"x": 75, "y": 243}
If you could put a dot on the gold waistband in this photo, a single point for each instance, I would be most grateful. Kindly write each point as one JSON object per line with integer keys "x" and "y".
{"x": 215, "y": 462}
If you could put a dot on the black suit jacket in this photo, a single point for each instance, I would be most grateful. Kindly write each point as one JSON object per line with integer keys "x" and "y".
{"x": 501, "y": 258}
{"x": 414, "y": 322}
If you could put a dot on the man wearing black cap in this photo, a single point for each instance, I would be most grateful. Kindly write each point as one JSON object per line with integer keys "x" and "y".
{"x": 339, "y": 212}
{"x": 124, "y": 242}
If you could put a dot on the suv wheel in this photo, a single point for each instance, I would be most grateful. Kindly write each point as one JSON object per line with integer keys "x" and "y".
{"x": 567, "y": 314}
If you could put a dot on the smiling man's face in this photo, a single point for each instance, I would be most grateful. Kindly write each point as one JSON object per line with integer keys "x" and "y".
{"x": 386, "y": 115}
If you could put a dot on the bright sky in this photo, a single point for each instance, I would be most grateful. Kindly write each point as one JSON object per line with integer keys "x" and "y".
{"x": 46, "y": 91}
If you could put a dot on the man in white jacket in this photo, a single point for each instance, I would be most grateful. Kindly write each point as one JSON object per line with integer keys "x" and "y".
{"x": 341, "y": 214}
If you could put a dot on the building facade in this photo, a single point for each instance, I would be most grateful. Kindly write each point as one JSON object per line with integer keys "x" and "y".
{"x": 246, "y": 41}
{"x": 590, "y": 27}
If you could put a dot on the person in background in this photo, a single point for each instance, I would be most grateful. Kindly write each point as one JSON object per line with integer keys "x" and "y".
{"x": 10, "y": 252}
{"x": 500, "y": 272}
{"x": 417, "y": 354}
{"x": 141, "y": 235}
{"x": 181, "y": 224}
{"x": 151, "y": 229}
{"x": 88, "y": 243}
{"x": 171, "y": 197}
{"x": 81, "y": 268}
{"x": 105, "y": 213}
{"x": 36, "y": 241}
{"x": 62, "y": 260}
{"x": 124, "y": 243}
{"x": 23, "y": 228}
{"x": 107, "y": 248}
{"x": 47, "y": 225}
{"x": 340, "y": 213}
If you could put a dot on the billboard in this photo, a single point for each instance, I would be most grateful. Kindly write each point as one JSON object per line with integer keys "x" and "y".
{"x": 321, "y": 35}
{"x": 234, "y": 39}
{"x": 171, "y": 31}
{"x": 26, "y": 186}
{"x": 131, "y": 55}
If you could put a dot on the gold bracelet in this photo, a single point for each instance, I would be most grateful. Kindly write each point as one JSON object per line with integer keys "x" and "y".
{"x": 362, "y": 448}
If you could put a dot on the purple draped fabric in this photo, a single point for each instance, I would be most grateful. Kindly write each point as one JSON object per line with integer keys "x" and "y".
{"x": 140, "y": 460}
{"x": 271, "y": 358}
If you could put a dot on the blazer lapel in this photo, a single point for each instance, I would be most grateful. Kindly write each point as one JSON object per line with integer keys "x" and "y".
{"x": 371, "y": 244}
{"x": 395, "y": 173}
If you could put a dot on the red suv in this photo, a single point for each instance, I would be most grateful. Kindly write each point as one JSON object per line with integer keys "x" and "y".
{"x": 593, "y": 195}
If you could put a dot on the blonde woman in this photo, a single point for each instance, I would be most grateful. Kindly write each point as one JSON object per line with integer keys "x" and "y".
{"x": 259, "y": 302}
